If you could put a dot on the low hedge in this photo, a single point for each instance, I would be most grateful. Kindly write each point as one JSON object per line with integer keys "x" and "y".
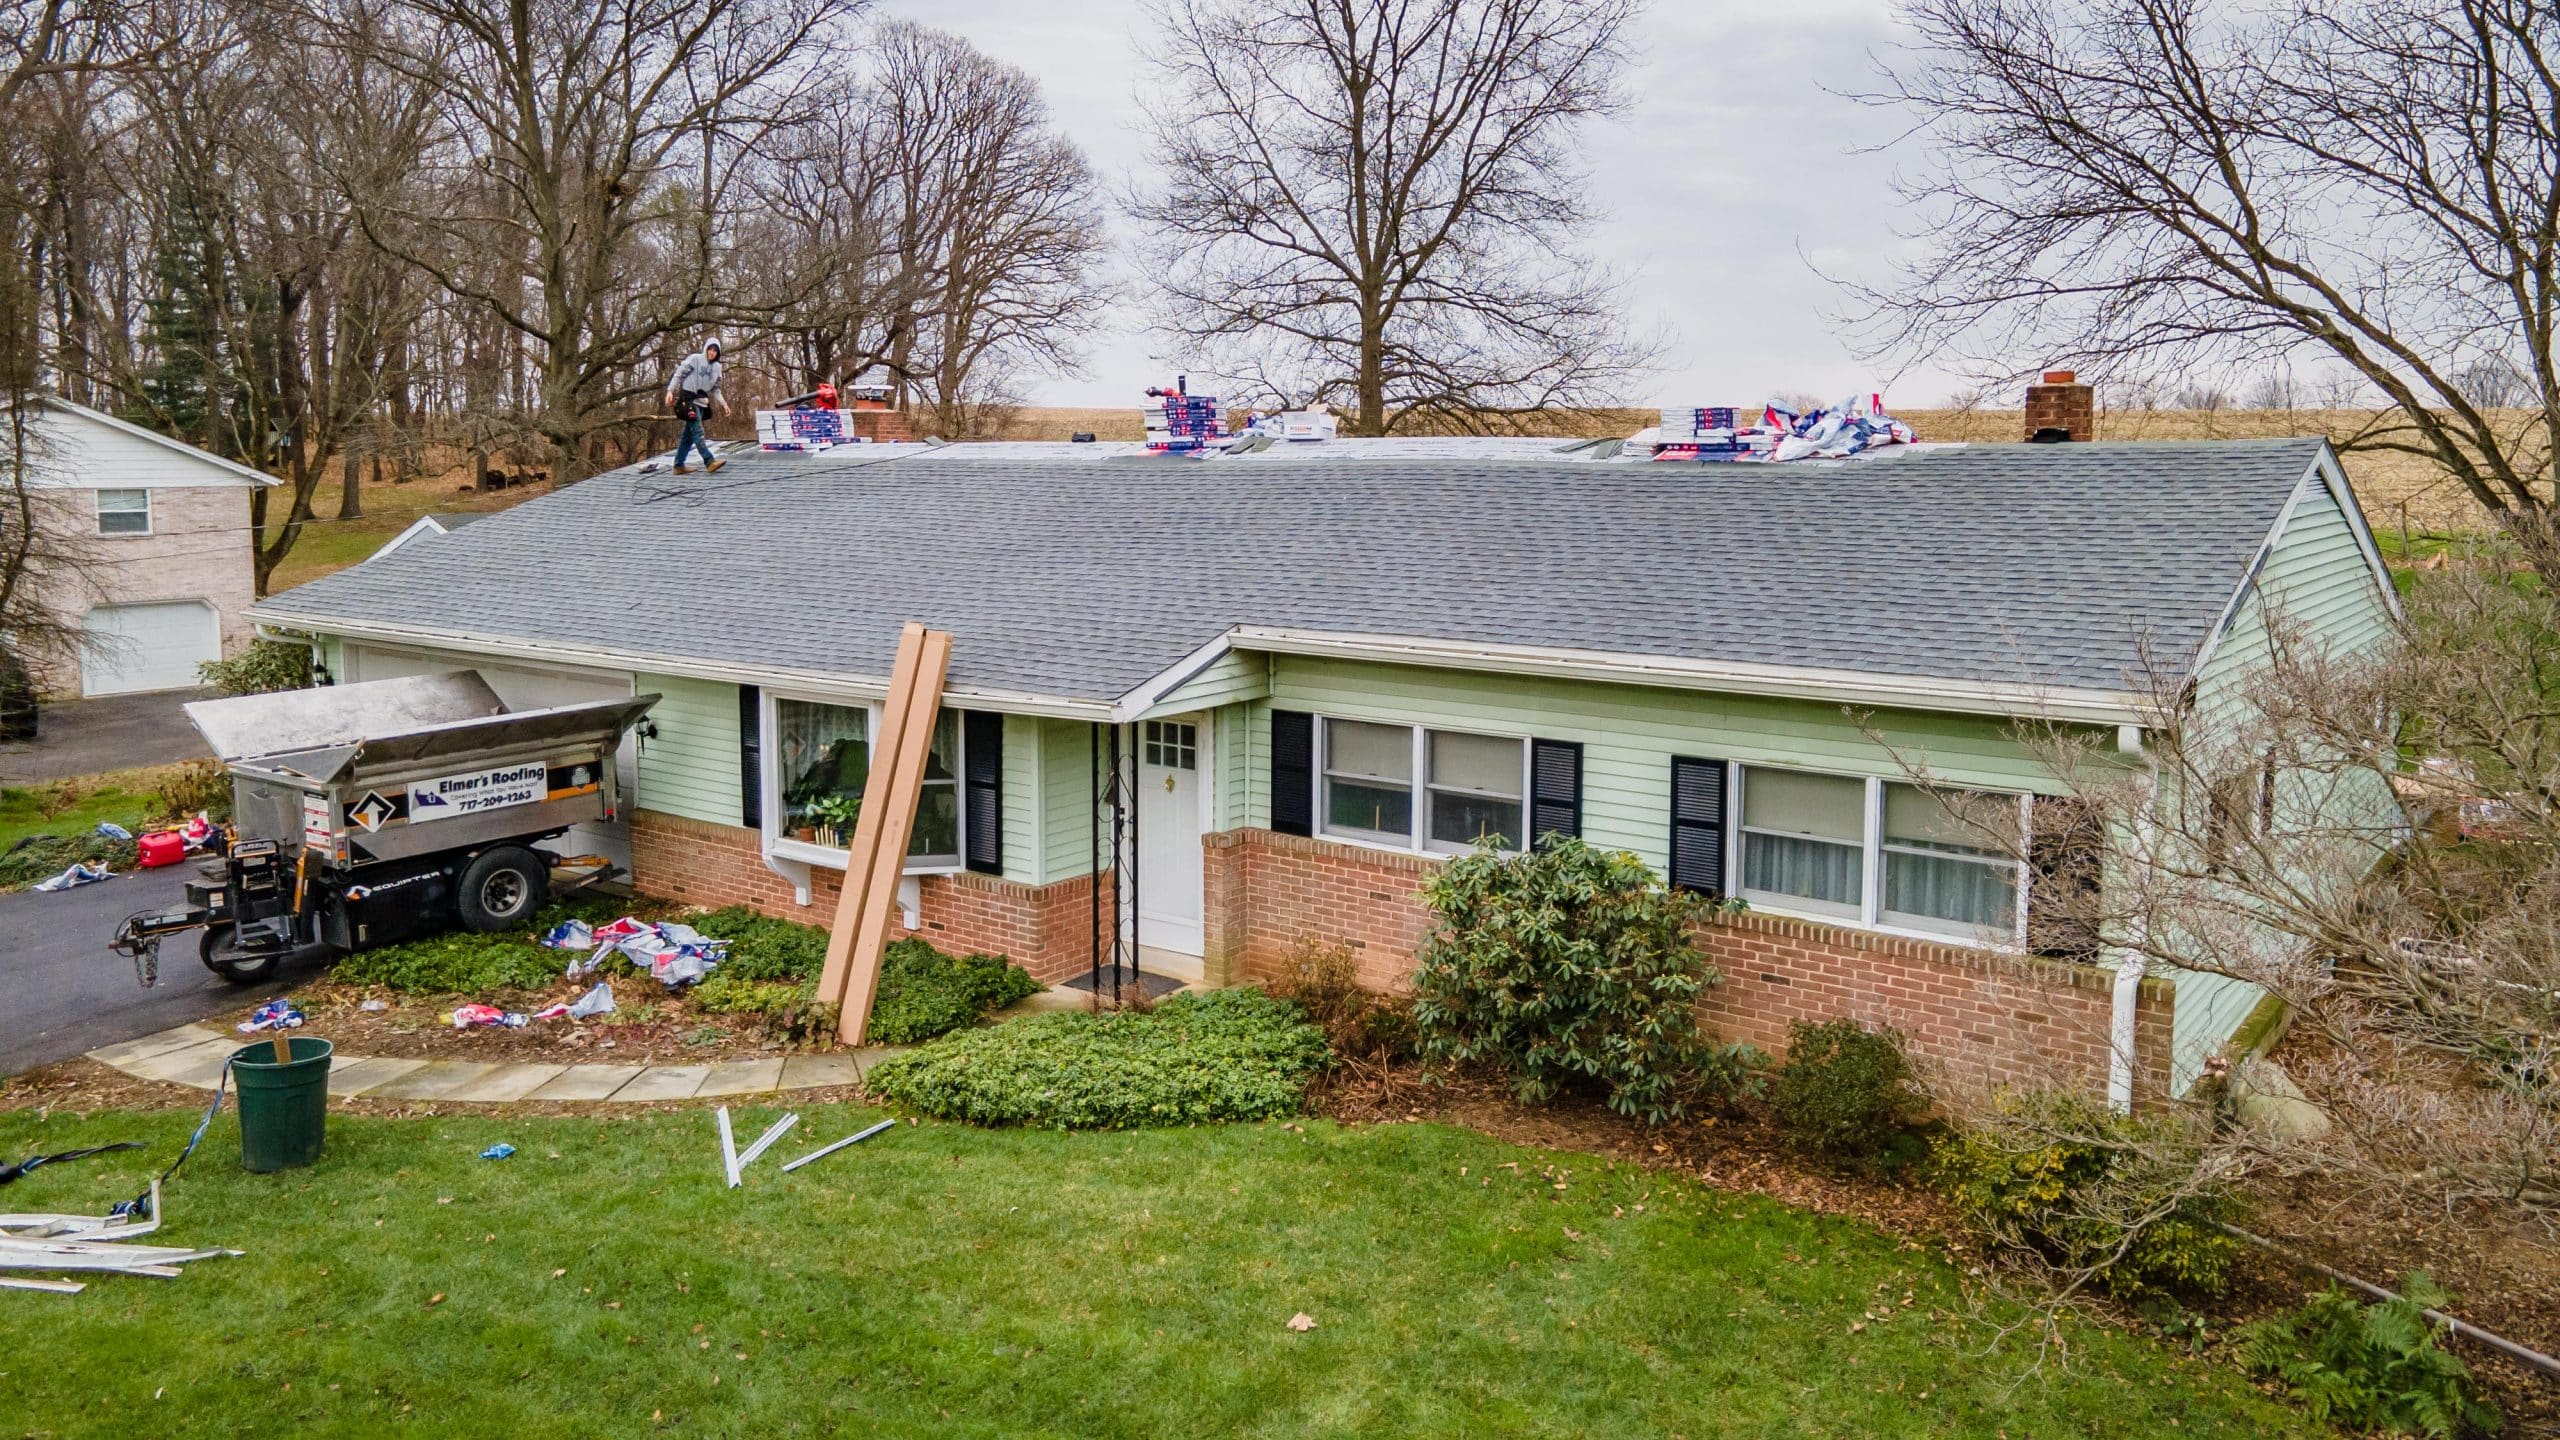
{"x": 1194, "y": 1059}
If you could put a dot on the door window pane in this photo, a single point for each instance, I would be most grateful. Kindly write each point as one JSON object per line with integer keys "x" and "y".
{"x": 1804, "y": 840}
{"x": 1171, "y": 744}
{"x": 1368, "y": 781}
{"x": 1475, "y": 791}
{"x": 823, "y": 757}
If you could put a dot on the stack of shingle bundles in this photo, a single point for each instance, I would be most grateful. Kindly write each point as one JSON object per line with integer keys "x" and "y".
{"x": 1179, "y": 424}
{"x": 805, "y": 430}
{"x": 1713, "y": 433}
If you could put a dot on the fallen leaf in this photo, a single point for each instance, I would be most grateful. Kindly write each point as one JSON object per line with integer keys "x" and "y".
{"x": 1301, "y": 1322}
{"x": 436, "y": 1299}
{"x": 556, "y": 1274}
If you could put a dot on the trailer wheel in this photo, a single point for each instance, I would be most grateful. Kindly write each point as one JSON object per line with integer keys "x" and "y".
{"x": 223, "y": 956}
{"x": 502, "y": 888}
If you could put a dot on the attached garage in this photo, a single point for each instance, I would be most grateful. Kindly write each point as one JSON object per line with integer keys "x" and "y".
{"x": 151, "y": 645}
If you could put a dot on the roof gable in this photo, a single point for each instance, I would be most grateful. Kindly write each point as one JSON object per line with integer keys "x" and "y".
{"x": 209, "y": 468}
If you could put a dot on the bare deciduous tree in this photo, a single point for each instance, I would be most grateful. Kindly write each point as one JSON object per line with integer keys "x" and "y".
{"x": 1375, "y": 203}
{"x": 2174, "y": 183}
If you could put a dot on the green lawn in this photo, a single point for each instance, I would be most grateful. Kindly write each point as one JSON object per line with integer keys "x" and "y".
{"x": 948, "y": 1281}
{"x": 124, "y": 796}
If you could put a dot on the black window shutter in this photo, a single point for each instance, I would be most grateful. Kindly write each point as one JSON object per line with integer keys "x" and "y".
{"x": 751, "y": 757}
{"x": 982, "y": 772}
{"x": 1293, "y": 772}
{"x": 1697, "y": 824}
{"x": 2063, "y": 850}
{"x": 1555, "y": 789}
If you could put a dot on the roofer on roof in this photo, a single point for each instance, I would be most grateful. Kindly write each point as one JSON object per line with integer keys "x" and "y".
{"x": 695, "y": 385}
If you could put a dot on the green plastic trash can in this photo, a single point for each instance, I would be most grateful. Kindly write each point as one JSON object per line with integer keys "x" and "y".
{"x": 283, "y": 1108}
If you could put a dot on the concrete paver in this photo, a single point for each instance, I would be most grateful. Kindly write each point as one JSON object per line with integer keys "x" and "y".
{"x": 742, "y": 1077}
{"x": 198, "y": 1064}
{"x": 665, "y": 1082}
{"x": 361, "y": 1077}
{"x": 840, "y": 1067}
{"x": 585, "y": 1082}
{"x": 159, "y": 1042}
{"x": 507, "y": 1082}
{"x": 436, "y": 1080}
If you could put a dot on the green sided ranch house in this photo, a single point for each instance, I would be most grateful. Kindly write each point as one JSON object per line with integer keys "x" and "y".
{"x": 1264, "y": 695}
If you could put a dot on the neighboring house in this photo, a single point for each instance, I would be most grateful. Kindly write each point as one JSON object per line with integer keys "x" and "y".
{"x": 152, "y": 555}
{"x": 1325, "y": 668}
{"x": 426, "y": 526}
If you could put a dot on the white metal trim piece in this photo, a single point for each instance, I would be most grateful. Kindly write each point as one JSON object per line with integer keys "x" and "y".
{"x": 764, "y": 1142}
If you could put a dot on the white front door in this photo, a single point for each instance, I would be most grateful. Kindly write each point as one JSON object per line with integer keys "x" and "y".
{"x": 1171, "y": 799}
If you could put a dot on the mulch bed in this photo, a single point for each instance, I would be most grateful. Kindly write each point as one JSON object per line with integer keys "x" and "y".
{"x": 647, "y": 1027}
{"x": 85, "y": 1087}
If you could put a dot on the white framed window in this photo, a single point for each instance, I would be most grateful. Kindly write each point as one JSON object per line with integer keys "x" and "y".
{"x": 124, "y": 512}
{"x": 1476, "y": 791}
{"x": 1414, "y": 788}
{"x": 1880, "y": 853}
{"x": 1368, "y": 782}
{"x": 817, "y": 761}
{"x": 1940, "y": 873}
{"x": 1804, "y": 841}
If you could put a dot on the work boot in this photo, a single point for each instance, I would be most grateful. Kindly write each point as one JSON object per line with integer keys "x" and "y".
{"x": 682, "y": 470}
{"x": 713, "y": 468}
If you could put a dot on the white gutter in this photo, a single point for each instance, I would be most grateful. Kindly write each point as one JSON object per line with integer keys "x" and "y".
{"x": 2109, "y": 707}
{"x": 857, "y": 687}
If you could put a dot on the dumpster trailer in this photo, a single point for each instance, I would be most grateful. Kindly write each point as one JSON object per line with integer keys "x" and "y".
{"x": 375, "y": 813}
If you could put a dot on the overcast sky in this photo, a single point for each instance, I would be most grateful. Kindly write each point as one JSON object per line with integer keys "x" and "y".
{"x": 1734, "y": 175}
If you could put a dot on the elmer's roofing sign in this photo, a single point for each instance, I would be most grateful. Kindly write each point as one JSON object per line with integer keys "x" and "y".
{"x": 469, "y": 794}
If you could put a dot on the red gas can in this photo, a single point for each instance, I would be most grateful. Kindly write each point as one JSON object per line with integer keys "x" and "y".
{"x": 164, "y": 848}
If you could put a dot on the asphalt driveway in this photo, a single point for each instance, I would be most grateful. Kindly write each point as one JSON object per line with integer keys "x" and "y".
{"x": 62, "y": 992}
{"x": 117, "y": 732}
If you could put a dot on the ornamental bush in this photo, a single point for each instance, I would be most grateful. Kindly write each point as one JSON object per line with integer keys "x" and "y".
{"x": 924, "y": 993}
{"x": 1191, "y": 1060}
{"x": 1570, "y": 964}
{"x": 2056, "y": 1177}
{"x": 1845, "y": 1090}
{"x": 261, "y": 667}
{"x": 2375, "y": 1368}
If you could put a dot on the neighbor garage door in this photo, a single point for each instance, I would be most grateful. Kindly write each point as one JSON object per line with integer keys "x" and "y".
{"x": 158, "y": 646}
{"x": 526, "y": 688}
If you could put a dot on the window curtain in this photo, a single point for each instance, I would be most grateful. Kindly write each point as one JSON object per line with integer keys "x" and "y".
{"x": 823, "y": 753}
{"x": 1794, "y": 865}
{"x": 1968, "y": 893}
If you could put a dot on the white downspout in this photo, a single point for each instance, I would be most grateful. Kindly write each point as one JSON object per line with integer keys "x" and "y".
{"x": 2133, "y": 964}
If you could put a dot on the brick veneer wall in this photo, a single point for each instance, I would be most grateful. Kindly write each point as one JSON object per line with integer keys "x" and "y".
{"x": 1042, "y": 928}
{"x": 1974, "y": 1018}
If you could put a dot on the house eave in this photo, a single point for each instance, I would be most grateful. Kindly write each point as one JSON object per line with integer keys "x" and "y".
{"x": 1904, "y": 692}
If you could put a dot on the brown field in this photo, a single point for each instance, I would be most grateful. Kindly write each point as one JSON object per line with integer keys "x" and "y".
{"x": 2398, "y": 491}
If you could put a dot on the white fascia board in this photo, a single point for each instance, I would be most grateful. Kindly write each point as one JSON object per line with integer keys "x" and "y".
{"x": 815, "y": 682}
{"x": 1145, "y": 697}
{"x": 423, "y": 525}
{"x": 1849, "y": 687}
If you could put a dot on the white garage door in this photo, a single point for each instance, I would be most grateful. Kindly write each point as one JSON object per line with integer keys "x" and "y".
{"x": 126, "y": 648}
{"x": 524, "y": 688}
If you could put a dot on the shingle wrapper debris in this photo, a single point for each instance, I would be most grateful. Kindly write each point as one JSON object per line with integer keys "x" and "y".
{"x": 1775, "y": 434}
{"x": 1081, "y": 579}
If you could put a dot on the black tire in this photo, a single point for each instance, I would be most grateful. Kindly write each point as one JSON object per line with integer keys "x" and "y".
{"x": 502, "y": 888}
{"x": 222, "y": 956}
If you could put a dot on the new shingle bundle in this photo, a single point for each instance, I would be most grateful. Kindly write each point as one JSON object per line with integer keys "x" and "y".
{"x": 1180, "y": 424}
{"x": 807, "y": 430}
{"x": 1725, "y": 434}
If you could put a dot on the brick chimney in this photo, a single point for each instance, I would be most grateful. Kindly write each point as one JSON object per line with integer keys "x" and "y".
{"x": 2061, "y": 408}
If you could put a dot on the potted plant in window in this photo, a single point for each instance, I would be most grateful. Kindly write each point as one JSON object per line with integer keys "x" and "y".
{"x": 833, "y": 817}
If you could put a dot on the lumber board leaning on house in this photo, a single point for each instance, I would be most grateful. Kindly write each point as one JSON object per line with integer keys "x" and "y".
{"x": 889, "y": 810}
{"x": 863, "y": 846}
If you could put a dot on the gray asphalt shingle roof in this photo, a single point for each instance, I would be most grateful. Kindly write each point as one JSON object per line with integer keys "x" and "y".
{"x": 2048, "y": 565}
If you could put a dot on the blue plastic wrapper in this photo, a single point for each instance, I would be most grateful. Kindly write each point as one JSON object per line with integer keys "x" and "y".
{"x": 499, "y": 1151}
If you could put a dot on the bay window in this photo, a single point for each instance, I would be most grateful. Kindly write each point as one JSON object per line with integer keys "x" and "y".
{"x": 1470, "y": 787}
{"x": 818, "y": 761}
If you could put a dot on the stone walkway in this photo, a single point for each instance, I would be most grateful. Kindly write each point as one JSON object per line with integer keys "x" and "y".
{"x": 193, "y": 1055}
